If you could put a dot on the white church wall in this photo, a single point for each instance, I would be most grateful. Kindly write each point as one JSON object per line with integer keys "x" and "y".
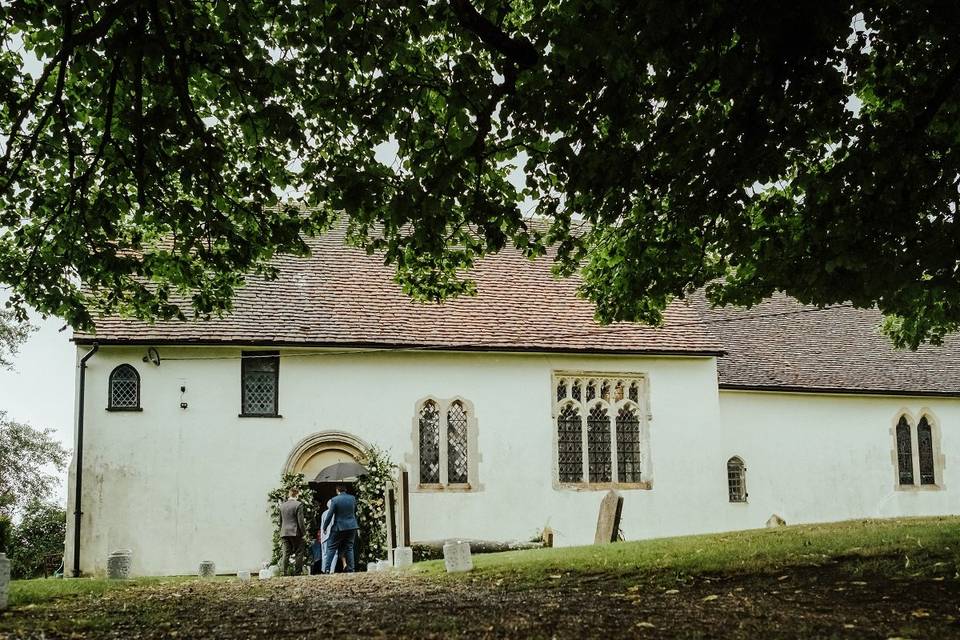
{"x": 818, "y": 457}
{"x": 178, "y": 486}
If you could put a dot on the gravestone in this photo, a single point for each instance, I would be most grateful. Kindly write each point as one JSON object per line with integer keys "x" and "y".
{"x": 243, "y": 575}
{"x": 207, "y": 569}
{"x": 402, "y": 557}
{"x": 608, "y": 521}
{"x": 118, "y": 564}
{"x": 456, "y": 557}
{"x": 776, "y": 521}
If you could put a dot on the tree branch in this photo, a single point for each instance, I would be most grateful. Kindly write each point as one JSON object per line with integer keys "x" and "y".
{"x": 518, "y": 50}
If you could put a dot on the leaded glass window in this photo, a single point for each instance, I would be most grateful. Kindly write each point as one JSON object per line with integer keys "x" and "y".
{"x": 628, "y": 445}
{"x": 925, "y": 451}
{"x": 457, "y": 443}
{"x": 601, "y": 417}
{"x": 599, "y": 456}
{"x": 736, "y": 480}
{"x": 124, "y": 388}
{"x": 429, "y": 443}
{"x": 260, "y": 377}
{"x": 570, "y": 444}
{"x": 904, "y": 451}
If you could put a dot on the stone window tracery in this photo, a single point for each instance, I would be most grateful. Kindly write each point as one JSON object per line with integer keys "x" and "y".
{"x": 446, "y": 444}
{"x": 601, "y": 430}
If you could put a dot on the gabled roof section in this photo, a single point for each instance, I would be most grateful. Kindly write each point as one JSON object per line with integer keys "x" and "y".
{"x": 781, "y": 345}
{"x": 340, "y": 296}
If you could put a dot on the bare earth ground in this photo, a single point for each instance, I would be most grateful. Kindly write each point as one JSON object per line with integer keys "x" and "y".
{"x": 801, "y": 602}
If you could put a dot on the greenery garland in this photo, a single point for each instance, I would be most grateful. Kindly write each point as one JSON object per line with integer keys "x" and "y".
{"x": 371, "y": 508}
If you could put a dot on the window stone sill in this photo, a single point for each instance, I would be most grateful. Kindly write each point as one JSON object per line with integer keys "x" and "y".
{"x": 444, "y": 488}
{"x": 259, "y": 415}
{"x": 118, "y": 409}
{"x": 603, "y": 486}
{"x": 915, "y": 488}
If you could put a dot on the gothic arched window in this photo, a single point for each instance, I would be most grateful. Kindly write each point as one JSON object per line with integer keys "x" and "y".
{"x": 457, "y": 443}
{"x": 124, "y": 388}
{"x": 599, "y": 458}
{"x": 429, "y": 443}
{"x": 925, "y": 451}
{"x": 736, "y": 480}
{"x": 628, "y": 444}
{"x": 904, "y": 451}
{"x": 570, "y": 444}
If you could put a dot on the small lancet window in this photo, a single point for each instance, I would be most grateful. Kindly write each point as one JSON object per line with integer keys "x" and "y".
{"x": 124, "y": 388}
{"x": 561, "y": 390}
{"x": 904, "y": 452}
{"x": 570, "y": 444}
{"x": 429, "y": 443}
{"x": 736, "y": 480}
{"x": 925, "y": 451}
{"x": 457, "y": 443}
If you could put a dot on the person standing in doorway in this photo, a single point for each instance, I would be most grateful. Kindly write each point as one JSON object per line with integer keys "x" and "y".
{"x": 292, "y": 530}
{"x": 341, "y": 518}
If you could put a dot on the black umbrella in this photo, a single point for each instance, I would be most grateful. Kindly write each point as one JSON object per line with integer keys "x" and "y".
{"x": 341, "y": 472}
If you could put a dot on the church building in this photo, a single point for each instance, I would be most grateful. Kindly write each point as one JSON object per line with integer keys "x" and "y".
{"x": 510, "y": 411}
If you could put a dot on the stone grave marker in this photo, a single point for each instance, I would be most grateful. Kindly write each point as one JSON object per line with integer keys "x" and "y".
{"x": 456, "y": 556}
{"x": 118, "y": 564}
{"x": 608, "y": 521}
{"x": 4, "y": 580}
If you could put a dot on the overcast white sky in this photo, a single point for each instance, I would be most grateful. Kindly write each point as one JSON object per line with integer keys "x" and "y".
{"x": 40, "y": 389}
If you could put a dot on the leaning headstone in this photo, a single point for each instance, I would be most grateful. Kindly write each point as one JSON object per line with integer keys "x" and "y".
{"x": 456, "y": 557}
{"x": 776, "y": 521}
{"x": 118, "y": 564}
{"x": 608, "y": 521}
{"x": 207, "y": 569}
{"x": 402, "y": 557}
{"x": 4, "y": 580}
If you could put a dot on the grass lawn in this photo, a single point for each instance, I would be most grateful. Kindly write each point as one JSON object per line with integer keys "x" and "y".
{"x": 906, "y": 546}
{"x": 26, "y": 592}
{"x": 858, "y": 579}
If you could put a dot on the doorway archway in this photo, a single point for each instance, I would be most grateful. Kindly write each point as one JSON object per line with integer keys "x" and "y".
{"x": 320, "y": 450}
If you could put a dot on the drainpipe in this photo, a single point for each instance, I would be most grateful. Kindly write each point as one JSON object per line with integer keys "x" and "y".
{"x": 79, "y": 471}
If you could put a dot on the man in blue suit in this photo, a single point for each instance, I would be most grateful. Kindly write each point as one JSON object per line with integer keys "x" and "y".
{"x": 343, "y": 530}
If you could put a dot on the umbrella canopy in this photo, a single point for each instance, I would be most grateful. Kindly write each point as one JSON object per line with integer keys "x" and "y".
{"x": 341, "y": 472}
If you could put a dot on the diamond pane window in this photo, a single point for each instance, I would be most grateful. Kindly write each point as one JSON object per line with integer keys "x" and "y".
{"x": 570, "y": 444}
{"x": 260, "y": 371}
{"x": 561, "y": 390}
{"x": 628, "y": 445}
{"x": 925, "y": 449}
{"x": 575, "y": 390}
{"x": 904, "y": 452}
{"x": 634, "y": 392}
{"x": 124, "y": 388}
{"x": 599, "y": 456}
{"x": 429, "y": 443}
{"x": 457, "y": 443}
{"x": 736, "y": 480}
{"x": 591, "y": 390}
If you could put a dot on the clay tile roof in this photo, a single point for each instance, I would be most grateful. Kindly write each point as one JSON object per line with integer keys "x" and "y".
{"x": 340, "y": 296}
{"x": 783, "y": 345}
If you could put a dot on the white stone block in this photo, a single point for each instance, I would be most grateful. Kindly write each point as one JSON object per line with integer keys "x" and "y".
{"x": 118, "y": 564}
{"x": 456, "y": 557}
{"x": 373, "y": 566}
{"x": 243, "y": 575}
{"x": 207, "y": 569}
{"x": 402, "y": 557}
{"x": 266, "y": 574}
{"x": 383, "y": 565}
{"x": 4, "y": 580}
{"x": 274, "y": 570}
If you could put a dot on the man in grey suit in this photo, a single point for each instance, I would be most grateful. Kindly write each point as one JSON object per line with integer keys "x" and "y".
{"x": 343, "y": 531}
{"x": 292, "y": 530}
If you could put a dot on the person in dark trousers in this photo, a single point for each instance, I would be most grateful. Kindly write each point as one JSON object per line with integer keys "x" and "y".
{"x": 343, "y": 530}
{"x": 292, "y": 529}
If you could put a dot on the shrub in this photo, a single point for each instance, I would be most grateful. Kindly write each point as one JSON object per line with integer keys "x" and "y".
{"x": 36, "y": 543}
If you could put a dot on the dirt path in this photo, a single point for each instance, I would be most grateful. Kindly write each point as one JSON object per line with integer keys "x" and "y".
{"x": 803, "y": 603}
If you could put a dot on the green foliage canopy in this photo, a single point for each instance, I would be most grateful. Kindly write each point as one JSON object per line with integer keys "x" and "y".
{"x": 25, "y": 454}
{"x": 748, "y": 147}
{"x": 36, "y": 546}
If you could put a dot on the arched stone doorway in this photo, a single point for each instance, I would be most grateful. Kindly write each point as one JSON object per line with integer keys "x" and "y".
{"x": 320, "y": 450}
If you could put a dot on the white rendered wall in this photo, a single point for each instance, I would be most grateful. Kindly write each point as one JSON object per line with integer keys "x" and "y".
{"x": 818, "y": 458}
{"x": 180, "y": 486}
